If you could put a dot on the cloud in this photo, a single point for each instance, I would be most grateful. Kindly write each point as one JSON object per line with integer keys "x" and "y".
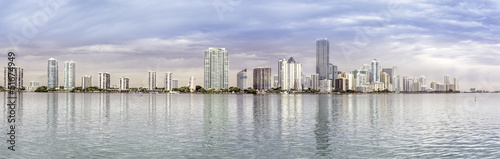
{"x": 432, "y": 38}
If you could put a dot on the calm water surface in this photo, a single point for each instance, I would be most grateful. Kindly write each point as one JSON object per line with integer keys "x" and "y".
{"x": 74, "y": 125}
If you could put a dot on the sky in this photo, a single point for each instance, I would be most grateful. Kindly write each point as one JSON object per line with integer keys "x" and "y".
{"x": 128, "y": 38}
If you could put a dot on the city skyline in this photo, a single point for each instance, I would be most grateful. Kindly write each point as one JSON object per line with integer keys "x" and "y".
{"x": 456, "y": 38}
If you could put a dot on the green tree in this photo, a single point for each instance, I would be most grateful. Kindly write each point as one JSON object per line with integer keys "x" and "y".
{"x": 234, "y": 89}
{"x": 41, "y": 89}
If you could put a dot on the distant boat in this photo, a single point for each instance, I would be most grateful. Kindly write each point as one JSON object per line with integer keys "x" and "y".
{"x": 285, "y": 92}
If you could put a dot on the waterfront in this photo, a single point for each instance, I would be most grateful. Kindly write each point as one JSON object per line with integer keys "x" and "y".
{"x": 64, "y": 125}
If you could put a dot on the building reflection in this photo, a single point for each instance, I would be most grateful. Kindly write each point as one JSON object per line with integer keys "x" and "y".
{"x": 322, "y": 126}
{"x": 69, "y": 101}
{"x": 168, "y": 108}
{"x": 152, "y": 110}
{"x": 261, "y": 118}
{"x": 215, "y": 117}
{"x": 104, "y": 108}
{"x": 124, "y": 107}
{"x": 18, "y": 109}
{"x": 52, "y": 108}
{"x": 87, "y": 109}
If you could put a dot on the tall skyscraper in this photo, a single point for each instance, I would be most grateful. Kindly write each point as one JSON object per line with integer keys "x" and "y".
{"x": 375, "y": 70}
{"x": 241, "y": 78}
{"x": 86, "y": 81}
{"x": 396, "y": 81}
{"x": 290, "y": 74}
{"x": 447, "y": 79}
{"x": 322, "y": 58}
{"x": 175, "y": 84}
{"x": 422, "y": 80}
{"x": 18, "y": 74}
{"x": 104, "y": 80}
{"x": 315, "y": 81}
{"x": 52, "y": 74}
{"x": 390, "y": 72}
{"x": 262, "y": 78}
{"x": 384, "y": 78}
{"x": 455, "y": 82}
{"x": 216, "y": 69}
{"x": 331, "y": 73}
{"x": 69, "y": 74}
{"x": 151, "y": 80}
{"x": 168, "y": 81}
{"x": 192, "y": 84}
{"x": 124, "y": 83}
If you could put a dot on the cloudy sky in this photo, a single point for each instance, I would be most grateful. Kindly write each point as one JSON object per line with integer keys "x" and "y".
{"x": 431, "y": 38}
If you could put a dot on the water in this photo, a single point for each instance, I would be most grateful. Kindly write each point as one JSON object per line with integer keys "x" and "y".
{"x": 75, "y": 125}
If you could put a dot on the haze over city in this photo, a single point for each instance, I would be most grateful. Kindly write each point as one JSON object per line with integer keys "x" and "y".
{"x": 428, "y": 38}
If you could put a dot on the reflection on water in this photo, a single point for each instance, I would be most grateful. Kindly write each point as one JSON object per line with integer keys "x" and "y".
{"x": 322, "y": 125}
{"x": 255, "y": 126}
{"x": 215, "y": 116}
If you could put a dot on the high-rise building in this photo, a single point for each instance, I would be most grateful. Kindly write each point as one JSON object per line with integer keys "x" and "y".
{"x": 86, "y": 81}
{"x": 315, "y": 81}
{"x": 384, "y": 78}
{"x": 390, "y": 72}
{"x": 322, "y": 58}
{"x": 175, "y": 84}
{"x": 396, "y": 81}
{"x": 422, "y": 80}
{"x": 262, "y": 78}
{"x": 69, "y": 74}
{"x": 290, "y": 74}
{"x": 124, "y": 83}
{"x": 455, "y": 82}
{"x": 104, "y": 80}
{"x": 17, "y": 72}
{"x": 325, "y": 86}
{"x": 151, "y": 80}
{"x": 168, "y": 81}
{"x": 331, "y": 73}
{"x": 192, "y": 84}
{"x": 33, "y": 85}
{"x": 447, "y": 80}
{"x": 241, "y": 78}
{"x": 307, "y": 83}
{"x": 375, "y": 70}
{"x": 341, "y": 83}
{"x": 52, "y": 74}
{"x": 276, "y": 81}
{"x": 216, "y": 69}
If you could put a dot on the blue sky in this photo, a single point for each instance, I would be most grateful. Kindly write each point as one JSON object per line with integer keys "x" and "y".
{"x": 431, "y": 38}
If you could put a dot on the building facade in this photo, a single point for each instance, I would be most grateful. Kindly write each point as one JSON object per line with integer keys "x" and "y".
{"x": 33, "y": 85}
{"x": 375, "y": 71}
{"x": 290, "y": 74}
{"x": 69, "y": 74}
{"x": 124, "y": 83}
{"x": 175, "y": 84}
{"x": 322, "y": 58}
{"x": 241, "y": 78}
{"x": 168, "y": 81}
{"x": 86, "y": 82}
{"x": 104, "y": 80}
{"x": 315, "y": 81}
{"x": 216, "y": 69}
{"x": 192, "y": 84}
{"x": 151, "y": 80}
{"x": 18, "y": 74}
{"x": 52, "y": 74}
{"x": 262, "y": 78}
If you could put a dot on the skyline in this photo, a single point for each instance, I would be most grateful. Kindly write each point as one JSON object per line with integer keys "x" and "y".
{"x": 421, "y": 38}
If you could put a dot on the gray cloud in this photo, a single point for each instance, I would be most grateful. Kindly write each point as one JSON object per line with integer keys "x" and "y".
{"x": 127, "y": 38}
